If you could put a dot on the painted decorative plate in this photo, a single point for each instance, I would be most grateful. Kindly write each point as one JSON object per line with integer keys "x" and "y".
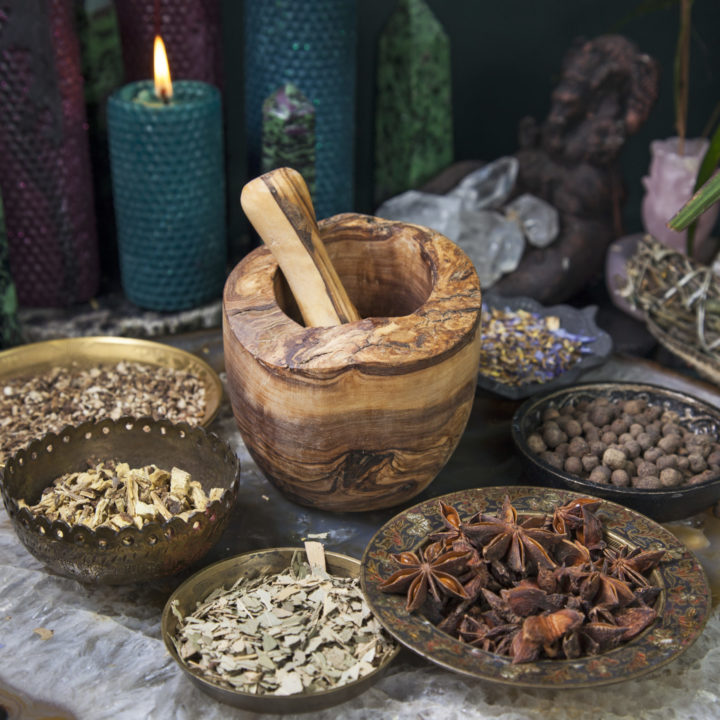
{"x": 683, "y": 605}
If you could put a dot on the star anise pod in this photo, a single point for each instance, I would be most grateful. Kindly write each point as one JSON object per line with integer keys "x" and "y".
{"x": 634, "y": 620}
{"x": 503, "y": 538}
{"x": 453, "y": 532}
{"x": 490, "y": 637}
{"x": 591, "y": 639}
{"x": 611, "y": 591}
{"x": 569, "y": 517}
{"x": 543, "y": 631}
{"x": 631, "y": 565}
{"x": 572, "y": 553}
{"x": 453, "y": 537}
{"x": 524, "y": 600}
{"x": 430, "y": 570}
{"x": 590, "y": 533}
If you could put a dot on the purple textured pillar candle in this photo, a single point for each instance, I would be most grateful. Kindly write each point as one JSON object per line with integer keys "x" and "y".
{"x": 44, "y": 156}
{"x": 190, "y": 29}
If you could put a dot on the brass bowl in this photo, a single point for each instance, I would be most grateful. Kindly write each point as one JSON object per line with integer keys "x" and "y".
{"x": 662, "y": 504}
{"x": 105, "y": 555}
{"x": 252, "y": 564}
{"x": 83, "y": 352}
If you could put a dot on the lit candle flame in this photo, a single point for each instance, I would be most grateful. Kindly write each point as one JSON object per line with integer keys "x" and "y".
{"x": 163, "y": 83}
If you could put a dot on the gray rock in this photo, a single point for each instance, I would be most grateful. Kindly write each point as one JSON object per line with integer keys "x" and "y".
{"x": 488, "y": 187}
{"x": 494, "y": 244}
{"x": 538, "y": 219}
{"x": 439, "y": 212}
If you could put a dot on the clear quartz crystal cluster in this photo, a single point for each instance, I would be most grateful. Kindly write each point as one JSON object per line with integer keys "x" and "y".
{"x": 478, "y": 217}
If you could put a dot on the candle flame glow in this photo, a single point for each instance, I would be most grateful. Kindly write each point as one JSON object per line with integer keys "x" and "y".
{"x": 163, "y": 83}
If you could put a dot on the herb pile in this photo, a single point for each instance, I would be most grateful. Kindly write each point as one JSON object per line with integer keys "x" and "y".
{"x": 112, "y": 494}
{"x": 521, "y": 347}
{"x": 297, "y": 631}
{"x": 626, "y": 443}
{"x": 30, "y": 407}
{"x": 533, "y": 588}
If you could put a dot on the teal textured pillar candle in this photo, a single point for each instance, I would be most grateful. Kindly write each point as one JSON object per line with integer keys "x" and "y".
{"x": 166, "y": 161}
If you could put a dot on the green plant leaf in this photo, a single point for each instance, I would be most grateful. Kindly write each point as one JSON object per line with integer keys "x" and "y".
{"x": 707, "y": 168}
{"x": 706, "y": 196}
{"x": 710, "y": 161}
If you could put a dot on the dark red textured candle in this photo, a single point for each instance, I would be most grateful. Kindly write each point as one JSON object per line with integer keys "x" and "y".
{"x": 190, "y": 29}
{"x": 44, "y": 157}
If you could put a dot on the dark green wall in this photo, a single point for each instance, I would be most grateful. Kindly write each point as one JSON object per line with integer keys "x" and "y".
{"x": 506, "y": 58}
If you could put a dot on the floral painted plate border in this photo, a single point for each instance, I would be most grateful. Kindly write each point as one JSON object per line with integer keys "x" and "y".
{"x": 683, "y": 606}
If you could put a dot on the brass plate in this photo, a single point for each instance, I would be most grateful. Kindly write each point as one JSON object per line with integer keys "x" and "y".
{"x": 224, "y": 574}
{"x": 683, "y": 606}
{"x": 36, "y": 358}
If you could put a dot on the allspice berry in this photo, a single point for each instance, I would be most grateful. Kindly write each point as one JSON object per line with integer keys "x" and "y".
{"x": 702, "y": 477}
{"x": 670, "y": 477}
{"x": 614, "y": 459}
{"x": 632, "y": 449}
{"x": 553, "y": 435}
{"x": 648, "y": 482}
{"x": 634, "y": 407}
{"x": 536, "y": 444}
{"x": 669, "y": 443}
{"x": 573, "y": 465}
{"x": 646, "y": 469}
{"x": 573, "y": 428}
{"x": 553, "y": 459}
{"x": 600, "y": 415}
{"x": 600, "y": 474}
{"x": 620, "y": 478}
{"x": 667, "y": 461}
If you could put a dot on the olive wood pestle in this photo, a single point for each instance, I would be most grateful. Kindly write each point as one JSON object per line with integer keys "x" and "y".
{"x": 279, "y": 206}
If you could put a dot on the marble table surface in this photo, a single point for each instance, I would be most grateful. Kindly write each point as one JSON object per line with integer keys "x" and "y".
{"x": 105, "y": 657}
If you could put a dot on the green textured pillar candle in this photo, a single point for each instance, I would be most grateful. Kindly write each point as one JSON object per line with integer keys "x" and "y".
{"x": 169, "y": 191}
{"x": 413, "y": 120}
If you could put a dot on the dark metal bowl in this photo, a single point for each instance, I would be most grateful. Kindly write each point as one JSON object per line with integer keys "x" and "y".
{"x": 105, "y": 555}
{"x": 662, "y": 505}
{"x": 252, "y": 564}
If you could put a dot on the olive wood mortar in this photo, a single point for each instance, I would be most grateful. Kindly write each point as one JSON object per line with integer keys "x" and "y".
{"x": 362, "y": 415}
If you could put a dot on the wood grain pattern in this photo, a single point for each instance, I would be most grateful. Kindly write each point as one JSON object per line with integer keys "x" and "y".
{"x": 279, "y": 206}
{"x": 363, "y": 415}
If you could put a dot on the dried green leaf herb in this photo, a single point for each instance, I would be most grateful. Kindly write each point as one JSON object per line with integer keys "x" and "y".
{"x": 297, "y": 631}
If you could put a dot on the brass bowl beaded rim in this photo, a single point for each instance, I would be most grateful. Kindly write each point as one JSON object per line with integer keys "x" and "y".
{"x": 105, "y": 555}
{"x": 223, "y": 574}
